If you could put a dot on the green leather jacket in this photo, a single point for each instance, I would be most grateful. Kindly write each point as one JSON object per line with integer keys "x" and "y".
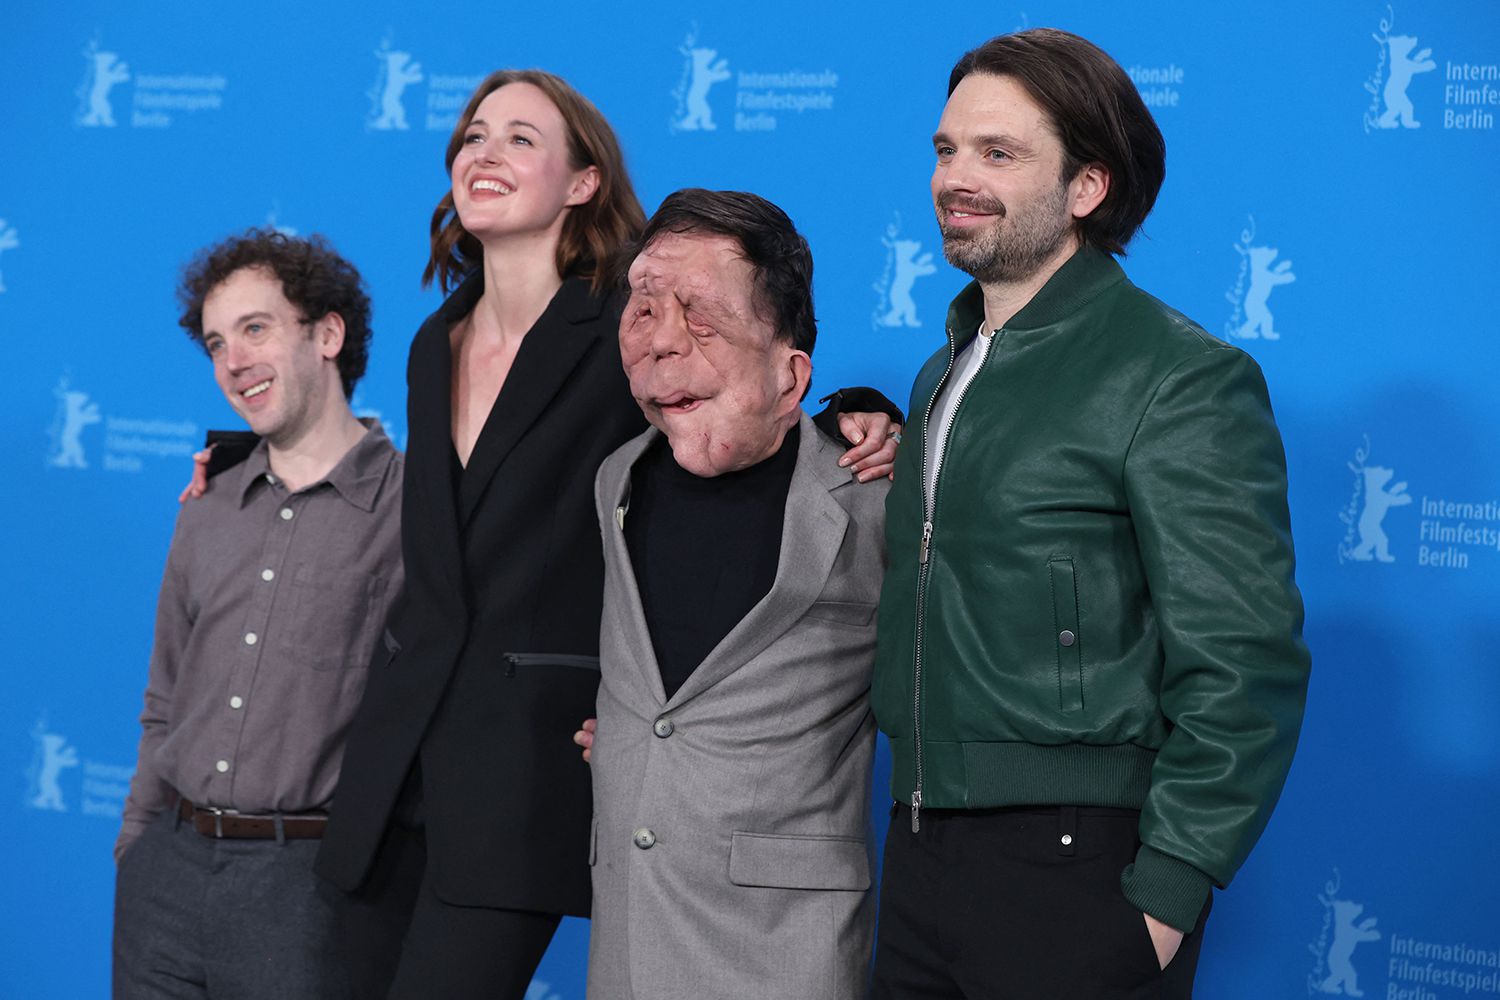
{"x": 1099, "y": 607}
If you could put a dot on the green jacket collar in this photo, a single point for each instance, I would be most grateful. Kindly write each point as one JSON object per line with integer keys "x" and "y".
{"x": 1086, "y": 274}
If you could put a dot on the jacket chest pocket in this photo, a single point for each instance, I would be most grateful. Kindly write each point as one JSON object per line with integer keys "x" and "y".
{"x": 1065, "y": 635}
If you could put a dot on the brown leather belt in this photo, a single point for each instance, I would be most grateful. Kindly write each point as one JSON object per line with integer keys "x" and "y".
{"x": 227, "y": 824}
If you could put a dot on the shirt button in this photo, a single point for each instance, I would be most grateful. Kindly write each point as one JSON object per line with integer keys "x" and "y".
{"x": 1067, "y": 839}
{"x": 663, "y": 727}
{"x": 271, "y": 479}
{"x": 222, "y": 766}
{"x": 236, "y": 702}
{"x": 268, "y": 575}
{"x": 286, "y": 513}
{"x": 643, "y": 838}
{"x": 1066, "y": 637}
{"x": 251, "y": 638}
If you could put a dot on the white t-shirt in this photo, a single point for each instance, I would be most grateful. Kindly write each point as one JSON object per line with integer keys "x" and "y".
{"x": 965, "y": 367}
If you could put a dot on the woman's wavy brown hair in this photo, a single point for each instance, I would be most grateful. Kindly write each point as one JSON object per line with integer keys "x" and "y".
{"x": 593, "y": 232}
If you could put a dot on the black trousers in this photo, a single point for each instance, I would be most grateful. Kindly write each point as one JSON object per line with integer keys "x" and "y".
{"x": 993, "y": 905}
{"x": 404, "y": 943}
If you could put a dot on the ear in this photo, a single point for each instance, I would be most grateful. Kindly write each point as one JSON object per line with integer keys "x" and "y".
{"x": 794, "y": 378}
{"x": 329, "y": 333}
{"x": 1088, "y": 189}
{"x": 585, "y": 183}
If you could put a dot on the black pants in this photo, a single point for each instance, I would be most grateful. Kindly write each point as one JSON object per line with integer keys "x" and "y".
{"x": 992, "y": 905}
{"x": 407, "y": 944}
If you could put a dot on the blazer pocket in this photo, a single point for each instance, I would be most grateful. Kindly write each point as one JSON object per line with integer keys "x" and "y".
{"x": 799, "y": 862}
{"x": 518, "y": 660}
{"x": 843, "y": 612}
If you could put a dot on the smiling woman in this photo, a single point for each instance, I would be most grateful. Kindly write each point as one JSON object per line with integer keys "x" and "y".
{"x": 461, "y": 830}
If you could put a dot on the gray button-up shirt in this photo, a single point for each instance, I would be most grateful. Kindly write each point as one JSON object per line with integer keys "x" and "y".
{"x": 270, "y": 609}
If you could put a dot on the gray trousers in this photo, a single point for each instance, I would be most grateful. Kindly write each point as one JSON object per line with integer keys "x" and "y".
{"x": 223, "y": 919}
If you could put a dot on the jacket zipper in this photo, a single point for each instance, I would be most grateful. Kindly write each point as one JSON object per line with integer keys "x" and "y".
{"x": 929, "y": 511}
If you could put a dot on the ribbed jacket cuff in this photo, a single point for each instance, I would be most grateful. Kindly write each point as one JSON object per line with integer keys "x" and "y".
{"x": 1172, "y": 891}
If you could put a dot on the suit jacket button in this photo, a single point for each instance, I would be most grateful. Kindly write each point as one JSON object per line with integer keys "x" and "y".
{"x": 1066, "y": 637}
{"x": 663, "y": 727}
{"x": 644, "y": 839}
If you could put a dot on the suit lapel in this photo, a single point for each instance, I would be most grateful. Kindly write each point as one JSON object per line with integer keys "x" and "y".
{"x": 627, "y": 605}
{"x": 812, "y": 533}
{"x": 548, "y": 354}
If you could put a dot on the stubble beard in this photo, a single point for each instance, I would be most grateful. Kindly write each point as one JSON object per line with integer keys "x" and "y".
{"x": 1015, "y": 245}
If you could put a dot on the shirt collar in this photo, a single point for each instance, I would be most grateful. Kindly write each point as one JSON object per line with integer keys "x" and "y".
{"x": 357, "y": 477}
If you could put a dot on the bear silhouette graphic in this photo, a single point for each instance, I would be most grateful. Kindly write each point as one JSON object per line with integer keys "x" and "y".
{"x": 907, "y": 267}
{"x": 1263, "y": 278}
{"x": 1347, "y": 935}
{"x": 705, "y": 74}
{"x": 1373, "y": 541}
{"x": 398, "y": 71}
{"x": 75, "y": 412}
{"x": 56, "y": 755}
{"x": 107, "y": 71}
{"x": 9, "y": 240}
{"x": 1404, "y": 65}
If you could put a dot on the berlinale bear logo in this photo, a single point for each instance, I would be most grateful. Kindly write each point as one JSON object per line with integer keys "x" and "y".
{"x": 74, "y": 412}
{"x": 1335, "y": 972}
{"x": 53, "y": 756}
{"x": 1404, "y": 65}
{"x": 397, "y": 72}
{"x": 105, "y": 71}
{"x": 701, "y": 70}
{"x": 904, "y": 264}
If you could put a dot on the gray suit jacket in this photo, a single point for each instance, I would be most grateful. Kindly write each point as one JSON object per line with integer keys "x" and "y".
{"x": 731, "y": 851}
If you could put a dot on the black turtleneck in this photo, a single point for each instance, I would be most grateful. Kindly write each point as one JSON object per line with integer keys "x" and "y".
{"x": 705, "y": 551}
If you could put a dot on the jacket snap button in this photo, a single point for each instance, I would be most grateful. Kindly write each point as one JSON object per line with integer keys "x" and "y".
{"x": 644, "y": 839}
{"x": 1066, "y": 637}
{"x": 1067, "y": 839}
{"x": 662, "y": 727}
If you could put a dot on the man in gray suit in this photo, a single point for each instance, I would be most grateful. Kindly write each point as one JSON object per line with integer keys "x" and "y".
{"x": 743, "y": 565}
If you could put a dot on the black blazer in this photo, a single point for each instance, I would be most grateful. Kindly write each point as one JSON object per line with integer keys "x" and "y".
{"x": 491, "y": 654}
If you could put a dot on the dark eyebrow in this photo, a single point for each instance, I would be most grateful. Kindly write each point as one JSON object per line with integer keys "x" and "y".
{"x": 257, "y": 314}
{"x": 512, "y": 122}
{"x": 1008, "y": 142}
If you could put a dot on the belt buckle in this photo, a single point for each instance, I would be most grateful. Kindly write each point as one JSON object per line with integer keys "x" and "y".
{"x": 218, "y": 821}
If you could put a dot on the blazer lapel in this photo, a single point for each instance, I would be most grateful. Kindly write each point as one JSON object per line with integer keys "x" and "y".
{"x": 626, "y": 594}
{"x": 812, "y": 533}
{"x": 548, "y": 354}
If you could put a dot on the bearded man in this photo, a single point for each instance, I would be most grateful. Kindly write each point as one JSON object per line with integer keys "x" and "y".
{"x": 1090, "y": 662}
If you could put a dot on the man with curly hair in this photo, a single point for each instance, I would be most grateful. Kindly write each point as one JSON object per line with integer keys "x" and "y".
{"x": 275, "y": 589}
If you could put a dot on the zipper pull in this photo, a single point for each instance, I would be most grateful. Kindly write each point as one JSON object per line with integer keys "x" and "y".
{"x": 926, "y": 541}
{"x": 916, "y": 810}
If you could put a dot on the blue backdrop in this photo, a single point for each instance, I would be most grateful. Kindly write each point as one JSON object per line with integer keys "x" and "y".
{"x": 1330, "y": 206}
